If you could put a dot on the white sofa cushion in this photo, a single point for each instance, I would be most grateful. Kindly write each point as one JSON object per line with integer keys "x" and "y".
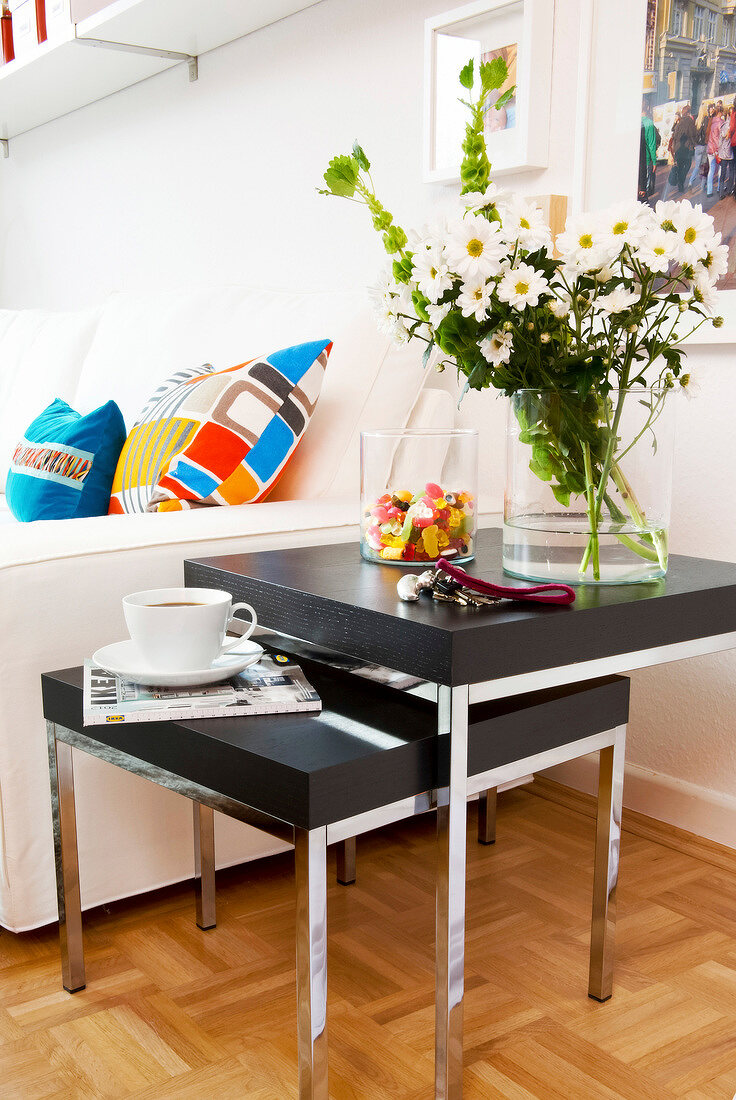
{"x": 42, "y": 355}
{"x": 368, "y": 383}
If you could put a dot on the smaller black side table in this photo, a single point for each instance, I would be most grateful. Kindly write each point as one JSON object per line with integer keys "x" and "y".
{"x": 371, "y": 757}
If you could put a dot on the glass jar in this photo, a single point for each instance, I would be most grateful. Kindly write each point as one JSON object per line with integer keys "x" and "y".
{"x": 588, "y": 485}
{"x": 418, "y": 495}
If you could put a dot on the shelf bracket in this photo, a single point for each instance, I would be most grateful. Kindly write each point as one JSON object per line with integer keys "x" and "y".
{"x": 4, "y": 148}
{"x": 150, "y": 51}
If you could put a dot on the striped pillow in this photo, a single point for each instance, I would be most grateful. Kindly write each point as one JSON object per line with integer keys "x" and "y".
{"x": 207, "y": 437}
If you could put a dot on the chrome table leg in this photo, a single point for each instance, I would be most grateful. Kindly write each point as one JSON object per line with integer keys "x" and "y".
{"x": 487, "y": 816}
{"x": 346, "y": 861}
{"x": 61, "y": 770}
{"x": 605, "y": 872}
{"x": 204, "y": 865}
{"x": 452, "y": 719}
{"x": 310, "y": 847}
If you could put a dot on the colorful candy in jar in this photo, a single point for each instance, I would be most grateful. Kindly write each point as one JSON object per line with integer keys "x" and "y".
{"x": 414, "y": 527}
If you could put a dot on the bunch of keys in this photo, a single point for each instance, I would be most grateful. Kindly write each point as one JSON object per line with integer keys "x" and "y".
{"x": 441, "y": 588}
{"x": 449, "y": 583}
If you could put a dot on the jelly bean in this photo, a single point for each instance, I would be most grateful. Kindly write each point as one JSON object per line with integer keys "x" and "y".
{"x": 373, "y": 538}
{"x": 409, "y": 552}
{"x": 392, "y": 553}
{"x": 379, "y": 513}
{"x": 384, "y": 499}
{"x": 395, "y": 513}
{"x": 404, "y": 494}
{"x": 430, "y": 541}
{"x": 433, "y": 490}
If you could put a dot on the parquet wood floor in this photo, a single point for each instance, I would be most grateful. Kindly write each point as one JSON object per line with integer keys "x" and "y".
{"x": 172, "y": 1012}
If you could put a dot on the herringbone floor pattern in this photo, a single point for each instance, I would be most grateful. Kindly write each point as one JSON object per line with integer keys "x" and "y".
{"x": 172, "y": 1012}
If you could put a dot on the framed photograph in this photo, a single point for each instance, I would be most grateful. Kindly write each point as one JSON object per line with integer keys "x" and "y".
{"x": 517, "y": 136}
{"x": 687, "y": 135}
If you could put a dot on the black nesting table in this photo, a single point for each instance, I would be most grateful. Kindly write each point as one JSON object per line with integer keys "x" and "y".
{"x": 328, "y": 596}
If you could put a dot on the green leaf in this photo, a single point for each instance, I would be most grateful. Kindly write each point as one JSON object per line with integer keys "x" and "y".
{"x": 342, "y": 176}
{"x": 427, "y": 353}
{"x": 562, "y": 496}
{"x": 504, "y": 98}
{"x": 466, "y": 75}
{"x": 360, "y": 157}
{"x": 420, "y": 305}
{"x": 492, "y": 74}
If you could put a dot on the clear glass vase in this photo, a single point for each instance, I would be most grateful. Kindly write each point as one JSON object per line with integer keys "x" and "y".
{"x": 418, "y": 493}
{"x": 588, "y": 486}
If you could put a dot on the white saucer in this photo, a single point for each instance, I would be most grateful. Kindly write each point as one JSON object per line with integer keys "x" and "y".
{"x": 123, "y": 659}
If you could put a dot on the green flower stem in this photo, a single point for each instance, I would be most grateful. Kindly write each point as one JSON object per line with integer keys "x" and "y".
{"x": 592, "y": 549}
{"x": 637, "y": 514}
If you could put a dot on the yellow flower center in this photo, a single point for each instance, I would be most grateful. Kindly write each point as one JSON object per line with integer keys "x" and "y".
{"x": 433, "y": 272}
{"x": 478, "y": 293}
{"x": 658, "y": 251}
{"x": 619, "y": 228}
{"x": 522, "y": 288}
{"x": 586, "y": 241}
{"x": 690, "y": 235}
{"x": 523, "y": 223}
{"x": 475, "y": 247}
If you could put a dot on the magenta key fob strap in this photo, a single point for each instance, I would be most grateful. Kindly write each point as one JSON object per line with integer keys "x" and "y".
{"x": 539, "y": 593}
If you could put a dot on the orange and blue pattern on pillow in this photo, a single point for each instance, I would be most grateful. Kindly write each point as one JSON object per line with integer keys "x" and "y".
{"x": 210, "y": 437}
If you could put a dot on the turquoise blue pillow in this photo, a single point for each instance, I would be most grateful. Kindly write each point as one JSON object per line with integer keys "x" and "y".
{"x": 64, "y": 465}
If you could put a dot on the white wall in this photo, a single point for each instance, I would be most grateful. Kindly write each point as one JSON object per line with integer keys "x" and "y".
{"x": 175, "y": 184}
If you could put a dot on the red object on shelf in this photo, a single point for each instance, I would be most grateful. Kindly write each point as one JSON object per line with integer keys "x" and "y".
{"x": 6, "y": 32}
{"x": 41, "y": 20}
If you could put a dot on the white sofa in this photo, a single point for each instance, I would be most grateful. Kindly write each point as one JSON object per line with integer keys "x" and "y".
{"x": 61, "y": 582}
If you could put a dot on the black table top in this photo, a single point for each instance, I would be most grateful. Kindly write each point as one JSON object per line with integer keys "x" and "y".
{"x": 370, "y": 746}
{"x": 330, "y": 596}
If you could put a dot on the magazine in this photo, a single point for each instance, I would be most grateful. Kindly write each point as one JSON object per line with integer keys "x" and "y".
{"x": 273, "y": 686}
{"x": 379, "y": 674}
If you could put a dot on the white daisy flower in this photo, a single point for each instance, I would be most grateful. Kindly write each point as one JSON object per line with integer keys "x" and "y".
{"x": 477, "y": 200}
{"x": 475, "y": 247}
{"x": 616, "y": 301}
{"x": 431, "y": 273}
{"x": 437, "y": 314}
{"x": 496, "y": 348}
{"x": 657, "y": 248}
{"x": 525, "y": 223}
{"x": 714, "y": 265}
{"x": 580, "y": 244}
{"x": 560, "y": 307}
{"x": 624, "y": 224}
{"x": 522, "y": 286}
{"x": 695, "y": 233}
{"x": 664, "y": 214}
{"x": 475, "y": 298}
{"x": 704, "y": 294}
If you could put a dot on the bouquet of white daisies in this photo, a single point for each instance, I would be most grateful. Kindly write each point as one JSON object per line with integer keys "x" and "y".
{"x": 601, "y": 310}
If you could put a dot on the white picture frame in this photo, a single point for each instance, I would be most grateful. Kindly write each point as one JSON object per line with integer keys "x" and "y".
{"x": 488, "y": 25}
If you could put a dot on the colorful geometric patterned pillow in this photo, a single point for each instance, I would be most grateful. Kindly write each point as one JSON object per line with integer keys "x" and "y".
{"x": 63, "y": 466}
{"x": 225, "y": 437}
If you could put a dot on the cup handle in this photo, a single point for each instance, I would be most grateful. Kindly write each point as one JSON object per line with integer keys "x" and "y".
{"x": 227, "y": 646}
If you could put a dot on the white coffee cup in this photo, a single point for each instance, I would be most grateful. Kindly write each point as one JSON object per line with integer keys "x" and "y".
{"x": 182, "y": 629}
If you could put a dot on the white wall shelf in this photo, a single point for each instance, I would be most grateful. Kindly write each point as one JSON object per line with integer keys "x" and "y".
{"x": 139, "y": 38}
